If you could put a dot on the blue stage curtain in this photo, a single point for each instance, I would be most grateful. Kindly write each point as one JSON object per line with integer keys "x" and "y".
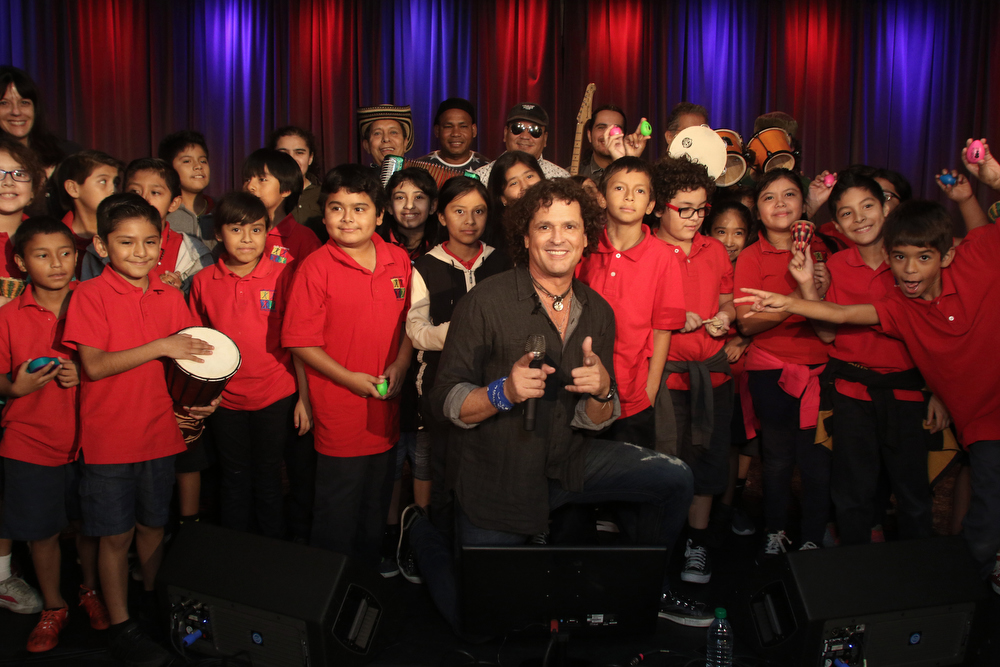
{"x": 896, "y": 83}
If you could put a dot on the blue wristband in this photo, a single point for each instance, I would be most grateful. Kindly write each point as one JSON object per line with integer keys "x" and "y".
{"x": 497, "y": 397}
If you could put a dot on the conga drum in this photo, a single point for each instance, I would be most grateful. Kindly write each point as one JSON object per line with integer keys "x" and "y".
{"x": 772, "y": 149}
{"x": 737, "y": 159}
{"x": 196, "y": 384}
{"x": 701, "y": 145}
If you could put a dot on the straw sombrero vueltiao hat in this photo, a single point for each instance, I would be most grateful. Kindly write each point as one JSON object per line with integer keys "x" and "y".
{"x": 368, "y": 115}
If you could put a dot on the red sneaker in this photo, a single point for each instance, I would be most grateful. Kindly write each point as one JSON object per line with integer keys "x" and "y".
{"x": 93, "y": 604}
{"x": 45, "y": 636}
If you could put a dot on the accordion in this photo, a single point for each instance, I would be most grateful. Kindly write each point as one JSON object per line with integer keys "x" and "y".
{"x": 394, "y": 163}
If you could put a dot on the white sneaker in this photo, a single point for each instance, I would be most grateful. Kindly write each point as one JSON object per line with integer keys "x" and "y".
{"x": 775, "y": 544}
{"x": 697, "y": 568}
{"x": 19, "y": 597}
{"x": 808, "y": 546}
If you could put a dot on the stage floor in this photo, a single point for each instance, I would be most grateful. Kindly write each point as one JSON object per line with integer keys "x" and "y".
{"x": 423, "y": 638}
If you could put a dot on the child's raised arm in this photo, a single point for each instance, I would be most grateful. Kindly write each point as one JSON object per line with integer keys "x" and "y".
{"x": 987, "y": 169}
{"x": 960, "y": 192}
{"x": 768, "y": 304}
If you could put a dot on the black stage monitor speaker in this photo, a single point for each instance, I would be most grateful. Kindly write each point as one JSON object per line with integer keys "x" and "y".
{"x": 897, "y": 603}
{"x": 606, "y": 591}
{"x": 270, "y": 602}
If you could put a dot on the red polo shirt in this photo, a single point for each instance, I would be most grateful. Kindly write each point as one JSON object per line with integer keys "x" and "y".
{"x": 644, "y": 287}
{"x": 249, "y": 311}
{"x": 952, "y": 339}
{"x": 356, "y": 316}
{"x": 9, "y": 268}
{"x": 80, "y": 242}
{"x": 854, "y": 282}
{"x": 128, "y": 417}
{"x": 39, "y": 428}
{"x": 288, "y": 242}
{"x": 708, "y": 273}
{"x": 764, "y": 267}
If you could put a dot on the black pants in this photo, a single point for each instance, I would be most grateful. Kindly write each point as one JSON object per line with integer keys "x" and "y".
{"x": 352, "y": 502}
{"x": 858, "y": 458}
{"x": 250, "y": 446}
{"x": 783, "y": 445}
{"x": 300, "y": 466}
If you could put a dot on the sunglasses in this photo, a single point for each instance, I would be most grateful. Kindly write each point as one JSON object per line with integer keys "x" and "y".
{"x": 534, "y": 130}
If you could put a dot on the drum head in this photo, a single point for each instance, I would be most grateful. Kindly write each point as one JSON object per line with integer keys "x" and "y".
{"x": 736, "y": 169}
{"x": 701, "y": 145}
{"x": 780, "y": 161}
{"x": 223, "y": 362}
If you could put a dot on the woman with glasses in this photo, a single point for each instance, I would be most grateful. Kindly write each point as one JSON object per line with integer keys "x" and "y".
{"x": 784, "y": 361}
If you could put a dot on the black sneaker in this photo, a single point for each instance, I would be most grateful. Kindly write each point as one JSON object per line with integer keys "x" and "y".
{"x": 685, "y": 611}
{"x": 131, "y": 646}
{"x": 404, "y": 553}
{"x": 697, "y": 567}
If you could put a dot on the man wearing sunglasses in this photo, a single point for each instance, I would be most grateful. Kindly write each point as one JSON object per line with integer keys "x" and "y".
{"x": 526, "y": 130}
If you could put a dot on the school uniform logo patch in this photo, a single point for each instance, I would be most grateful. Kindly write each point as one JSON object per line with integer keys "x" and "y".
{"x": 281, "y": 254}
{"x": 267, "y": 299}
{"x": 398, "y": 288}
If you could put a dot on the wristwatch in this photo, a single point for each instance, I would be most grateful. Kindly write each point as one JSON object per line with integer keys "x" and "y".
{"x": 611, "y": 393}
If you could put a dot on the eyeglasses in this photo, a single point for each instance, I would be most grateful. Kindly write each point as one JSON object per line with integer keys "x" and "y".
{"x": 889, "y": 196}
{"x": 687, "y": 213}
{"x": 534, "y": 130}
{"x": 18, "y": 176}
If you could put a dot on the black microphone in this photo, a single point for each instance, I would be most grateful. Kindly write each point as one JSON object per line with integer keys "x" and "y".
{"x": 536, "y": 345}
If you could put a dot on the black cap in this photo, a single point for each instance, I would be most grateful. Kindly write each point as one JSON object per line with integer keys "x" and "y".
{"x": 533, "y": 113}
{"x": 456, "y": 103}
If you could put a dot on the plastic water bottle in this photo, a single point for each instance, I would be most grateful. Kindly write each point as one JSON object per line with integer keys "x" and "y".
{"x": 720, "y": 641}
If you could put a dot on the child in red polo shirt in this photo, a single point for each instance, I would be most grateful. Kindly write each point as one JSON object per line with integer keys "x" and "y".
{"x": 244, "y": 298}
{"x": 345, "y": 320}
{"x": 640, "y": 278}
{"x": 943, "y": 310}
{"x": 23, "y": 178}
{"x": 83, "y": 181}
{"x": 877, "y": 399}
{"x": 695, "y": 417}
{"x": 181, "y": 255}
{"x": 783, "y": 363}
{"x": 730, "y": 222}
{"x": 275, "y": 178}
{"x": 122, "y": 323}
{"x": 40, "y": 452}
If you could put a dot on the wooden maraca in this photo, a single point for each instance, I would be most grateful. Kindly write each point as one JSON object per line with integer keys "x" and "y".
{"x": 802, "y": 234}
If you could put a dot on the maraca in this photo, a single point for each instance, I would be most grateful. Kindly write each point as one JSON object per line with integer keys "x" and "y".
{"x": 974, "y": 153}
{"x": 645, "y": 129}
{"x": 829, "y": 180}
{"x": 948, "y": 179}
{"x": 615, "y": 131}
{"x": 802, "y": 234}
{"x": 382, "y": 387}
{"x": 41, "y": 362}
